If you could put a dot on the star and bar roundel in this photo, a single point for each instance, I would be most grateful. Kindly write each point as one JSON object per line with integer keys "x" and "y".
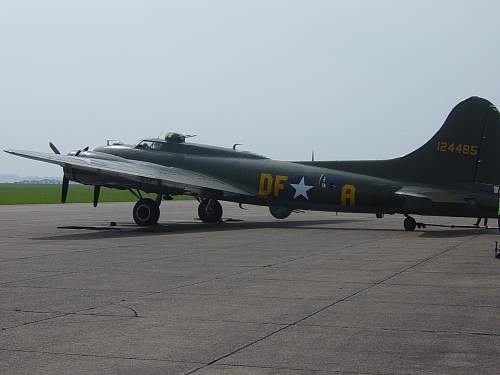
{"x": 270, "y": 185}
{"x": 301, "y": 189}
{"x": 273, "y": 186}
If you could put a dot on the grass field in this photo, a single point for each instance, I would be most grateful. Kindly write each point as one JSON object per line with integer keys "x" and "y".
{"x": 44, "y": 194}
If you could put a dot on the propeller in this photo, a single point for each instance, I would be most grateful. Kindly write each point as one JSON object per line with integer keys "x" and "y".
{"x": 83, "y": 150}
{"x": 65, "y": 181}
{"x": 97, "y": 191}
{"x": 64, "y": 192}
{"x": 54, "y": 148}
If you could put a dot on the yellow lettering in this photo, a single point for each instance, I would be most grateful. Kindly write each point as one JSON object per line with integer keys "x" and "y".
{"x": 265, "y": 184}
{"x": 348, "y": 195}
{"x": 278, "y": 186}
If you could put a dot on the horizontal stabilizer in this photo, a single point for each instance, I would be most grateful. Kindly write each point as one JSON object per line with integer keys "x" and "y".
{"x": 434, "y": 195}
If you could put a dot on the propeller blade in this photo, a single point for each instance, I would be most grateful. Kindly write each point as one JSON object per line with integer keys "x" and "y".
{"x": 82, "y": 150}
{"x": 97, "y": 191}
{"x": 64, "y": 192}
{"x": 54, "y": 148}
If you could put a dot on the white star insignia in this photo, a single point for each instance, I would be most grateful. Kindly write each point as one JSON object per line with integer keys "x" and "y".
{"x": 301, "y": 189}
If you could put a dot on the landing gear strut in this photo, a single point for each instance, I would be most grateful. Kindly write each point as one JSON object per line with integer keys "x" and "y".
{"x": 146, "y": 212}
{"x": 410, "y": 224}
{"x": 210, "y": 211}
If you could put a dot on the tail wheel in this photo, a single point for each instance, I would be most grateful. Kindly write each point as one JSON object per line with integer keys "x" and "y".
{"x": 410, "y": 224}
{"x": 210, "y": 211}
{"x": 146, "y": 212}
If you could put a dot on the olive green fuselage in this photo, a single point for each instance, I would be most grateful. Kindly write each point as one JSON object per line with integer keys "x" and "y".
{"x": 297, "y": 185}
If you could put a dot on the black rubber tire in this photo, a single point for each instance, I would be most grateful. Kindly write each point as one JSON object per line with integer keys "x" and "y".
{"x": 212, "y": 215}
{"x": 146, "y": 212}
{"x": 410, "y": 224}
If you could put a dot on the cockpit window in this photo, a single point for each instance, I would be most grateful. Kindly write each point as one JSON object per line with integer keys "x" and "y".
{"x": 150, "y": 145}
{"x": 157, "y": 146}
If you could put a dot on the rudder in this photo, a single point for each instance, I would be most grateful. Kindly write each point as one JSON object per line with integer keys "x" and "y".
{"x": 463, "y": 150}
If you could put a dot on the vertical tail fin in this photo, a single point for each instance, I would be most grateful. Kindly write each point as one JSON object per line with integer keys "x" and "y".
{"x": 465, "y": 149}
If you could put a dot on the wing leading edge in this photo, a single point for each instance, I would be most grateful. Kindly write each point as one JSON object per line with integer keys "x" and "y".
{"x": 136, "y": 172}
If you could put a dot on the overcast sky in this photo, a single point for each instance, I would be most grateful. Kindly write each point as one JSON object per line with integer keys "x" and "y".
{"x": 349, "y": 79}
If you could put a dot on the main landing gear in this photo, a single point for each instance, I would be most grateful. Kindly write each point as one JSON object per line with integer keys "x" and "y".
{"x": 210, "y": 211}
{"x": 146, "y": 212}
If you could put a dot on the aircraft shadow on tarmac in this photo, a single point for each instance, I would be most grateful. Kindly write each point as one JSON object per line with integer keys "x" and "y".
{"x": 450, "y": 233}
{"x": 131, "y": 230}
{"x": 122, "y": 230}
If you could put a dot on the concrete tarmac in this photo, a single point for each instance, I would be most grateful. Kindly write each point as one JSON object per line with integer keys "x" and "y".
{"x": 314, "y": 294}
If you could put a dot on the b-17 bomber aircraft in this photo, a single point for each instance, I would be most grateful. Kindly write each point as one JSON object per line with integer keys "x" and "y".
{"x": 454, "y": 174}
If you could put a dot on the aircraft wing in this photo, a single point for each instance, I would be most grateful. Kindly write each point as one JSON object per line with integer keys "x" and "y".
{"x": 136, "y": 172}
{"x": 432, "y": 194}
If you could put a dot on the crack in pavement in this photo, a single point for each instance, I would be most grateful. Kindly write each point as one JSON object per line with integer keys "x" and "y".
{"x": 362, "y": 290}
